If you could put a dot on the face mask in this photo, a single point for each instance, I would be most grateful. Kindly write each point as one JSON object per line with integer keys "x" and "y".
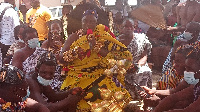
{"x": 20, "y": 40}
{"x": 187, "y": 35}
{"x": 189, "y": 78}
{"x": 43, "y": 81}
{"x": 27, "y": 95}
{"x": 33, "y": 43}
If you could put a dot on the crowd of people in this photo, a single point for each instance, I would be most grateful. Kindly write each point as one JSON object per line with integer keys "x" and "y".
{"x": 99, "y": 59}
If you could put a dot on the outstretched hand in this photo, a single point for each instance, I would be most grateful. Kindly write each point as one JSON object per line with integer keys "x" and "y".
{"x": 148, "y": 90}
{"x": 78, "y": 91}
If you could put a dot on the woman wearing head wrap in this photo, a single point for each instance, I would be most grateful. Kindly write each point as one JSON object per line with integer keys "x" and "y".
{"x": 87, "y": 57}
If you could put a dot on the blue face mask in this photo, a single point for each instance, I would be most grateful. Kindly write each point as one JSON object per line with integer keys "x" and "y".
{"x": 27, "y": 95}
{"x": 43, "y": 81}
{"x": 33, "y": 43}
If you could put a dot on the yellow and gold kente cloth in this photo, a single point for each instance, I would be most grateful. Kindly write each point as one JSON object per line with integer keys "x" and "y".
{"x": 83, "y": 72}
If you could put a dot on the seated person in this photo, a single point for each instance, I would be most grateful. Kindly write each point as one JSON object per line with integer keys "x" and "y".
{"x": 163, "y": 93}
{"x": 171, "y": 78}
{"x": 173, "y": 103}
{"x": 39, "y": 83}
{"x": 54, "y": 44}
{"x": 26, "y": 58}
{"x": 15, "y": 93}
{"x": 86, "y": 58}
{"x": 55, "y": 38}
{"x": 140, "y": 48}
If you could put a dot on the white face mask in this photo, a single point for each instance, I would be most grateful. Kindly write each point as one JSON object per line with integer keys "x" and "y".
{"x": 20, "y": 40}
{"x": 43, "y": 81}
{"x": 33, "y": 43}
{"x": 189, "y": 78}
{"x": 187, "y": 35}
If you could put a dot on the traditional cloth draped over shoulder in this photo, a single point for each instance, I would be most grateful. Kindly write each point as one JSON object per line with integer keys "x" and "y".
{"x": 82, "y": 72}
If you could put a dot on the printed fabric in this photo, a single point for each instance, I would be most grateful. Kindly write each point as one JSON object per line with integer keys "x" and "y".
{"x": 9, "y": 21}
{"x": 170, "y": 79}
{"x": 30, "y": 63}
{"x": 137, "y": 46}
{"x": 82, "y": 72}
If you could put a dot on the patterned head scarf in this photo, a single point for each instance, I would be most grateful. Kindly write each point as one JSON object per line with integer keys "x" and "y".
{"x": 11, "y": 75}
{"x": 90, "y": 12}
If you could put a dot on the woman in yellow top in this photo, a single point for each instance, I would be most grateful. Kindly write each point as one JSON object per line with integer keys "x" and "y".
{"x": 86, "y": 58}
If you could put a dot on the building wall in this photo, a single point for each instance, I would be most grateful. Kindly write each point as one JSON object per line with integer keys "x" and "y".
{"x": 50, "y": 3}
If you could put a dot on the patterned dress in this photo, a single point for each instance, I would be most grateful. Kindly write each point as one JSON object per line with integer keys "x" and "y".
{"x": 57, "y": 80}
{"x": 137, "y": 46}
{"x": 170, "y": 79}
{"x": 30, "y": 63}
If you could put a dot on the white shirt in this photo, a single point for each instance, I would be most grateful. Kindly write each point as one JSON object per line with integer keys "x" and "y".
{"x": 9, "y": 21}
